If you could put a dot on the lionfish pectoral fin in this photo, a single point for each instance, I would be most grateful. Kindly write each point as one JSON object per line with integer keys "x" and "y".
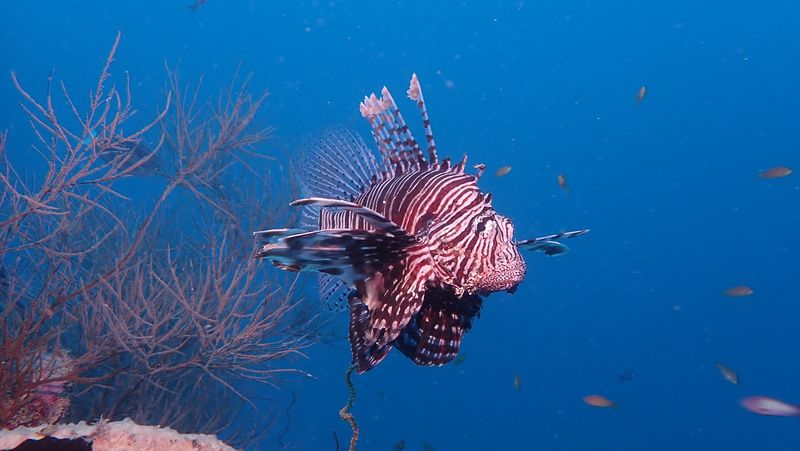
{"x": 393, "y": 296}
{"x": 548, "y": 245}
{"x": 549, "y": 248}
{"x": 350, "y": 255}
{"x": 366, "y": 353}
{"x": 375, "y": 219}
{"x": 433, "y": 337}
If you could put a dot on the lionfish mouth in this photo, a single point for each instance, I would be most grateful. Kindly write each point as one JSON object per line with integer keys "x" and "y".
{"x": 503, "y": 279}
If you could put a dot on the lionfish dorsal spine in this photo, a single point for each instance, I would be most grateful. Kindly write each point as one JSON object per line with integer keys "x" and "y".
{"x": 415, "y": 94}
{"x": 400, "y": 151}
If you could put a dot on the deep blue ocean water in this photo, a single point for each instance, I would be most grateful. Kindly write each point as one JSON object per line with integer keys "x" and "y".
{"x": 669, "y": 188}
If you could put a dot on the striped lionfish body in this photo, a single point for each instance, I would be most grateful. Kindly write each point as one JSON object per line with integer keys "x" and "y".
{"x": 411, "y": 243}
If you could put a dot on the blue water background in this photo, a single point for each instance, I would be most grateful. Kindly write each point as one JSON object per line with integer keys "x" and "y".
{"x": 669, "y": 188}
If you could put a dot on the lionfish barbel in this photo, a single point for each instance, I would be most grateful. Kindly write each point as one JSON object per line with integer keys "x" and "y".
{"x": 409, "y": 244}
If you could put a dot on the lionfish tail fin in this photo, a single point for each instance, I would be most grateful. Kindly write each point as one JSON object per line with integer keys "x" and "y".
{"x": 548, "y": 245}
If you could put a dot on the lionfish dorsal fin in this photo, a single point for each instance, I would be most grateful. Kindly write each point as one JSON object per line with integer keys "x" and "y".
{"x": 334, "y": 163}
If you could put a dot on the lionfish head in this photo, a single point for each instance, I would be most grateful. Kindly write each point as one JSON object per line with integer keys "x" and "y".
{"x": 493, "y": 261}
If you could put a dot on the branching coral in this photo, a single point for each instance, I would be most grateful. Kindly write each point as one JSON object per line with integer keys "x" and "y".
{"x": 152, "y": 292}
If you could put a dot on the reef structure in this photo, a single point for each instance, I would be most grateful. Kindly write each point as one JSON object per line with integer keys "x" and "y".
{"x": 107, "y": 436}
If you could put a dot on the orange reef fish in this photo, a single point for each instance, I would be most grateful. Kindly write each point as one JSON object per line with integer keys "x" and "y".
{"x": 502, "y": 171}
{"x": 776, "y": 172}
{"x": 764, "y": 405}
{"x": 408, "y": 242}
{"x": 640, "y": 95}
{"x": 598, "y": 401}
{"x": 738, "y": 291}
{"x": 728, "y": 374}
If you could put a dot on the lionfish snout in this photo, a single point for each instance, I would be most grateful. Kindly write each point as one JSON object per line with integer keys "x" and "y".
{"x": 504, "y": 277}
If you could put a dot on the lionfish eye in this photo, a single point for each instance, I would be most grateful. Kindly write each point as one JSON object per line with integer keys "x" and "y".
{"x": 481, "y": 226}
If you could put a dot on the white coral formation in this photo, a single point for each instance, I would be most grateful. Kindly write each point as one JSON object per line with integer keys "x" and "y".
{"x": 116, "y": 436}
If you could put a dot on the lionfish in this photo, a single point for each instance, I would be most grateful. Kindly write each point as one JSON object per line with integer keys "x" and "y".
{"x": 409, "y": 243}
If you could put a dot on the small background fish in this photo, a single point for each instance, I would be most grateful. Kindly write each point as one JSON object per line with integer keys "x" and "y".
{"x": 776, "y": 172}
{"x": 728, "y": 374}
{"x": 503, "y": 170}
{"x": 738, "y": 291}
{"x": 641, "y": 94}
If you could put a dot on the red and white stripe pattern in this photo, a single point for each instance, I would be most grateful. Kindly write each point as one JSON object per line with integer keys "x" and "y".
{"x": 414, "y": 239}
